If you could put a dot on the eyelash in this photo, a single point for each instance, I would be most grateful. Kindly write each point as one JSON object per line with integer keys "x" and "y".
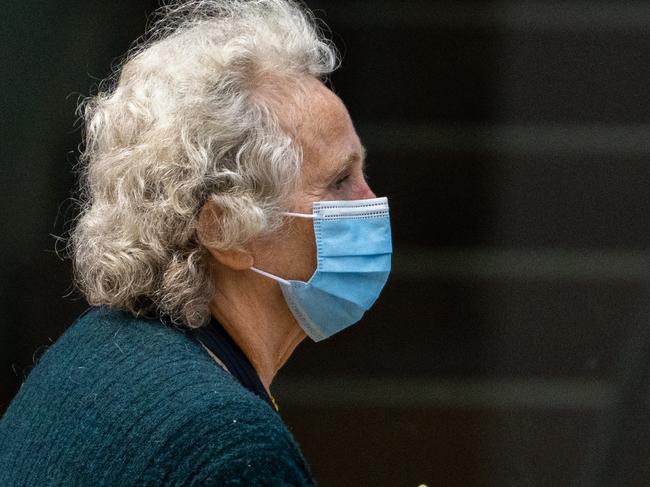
{"x": 340, "y": 181}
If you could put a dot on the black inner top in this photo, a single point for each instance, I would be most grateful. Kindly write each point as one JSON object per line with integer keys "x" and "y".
{"x": 217, "y": 340}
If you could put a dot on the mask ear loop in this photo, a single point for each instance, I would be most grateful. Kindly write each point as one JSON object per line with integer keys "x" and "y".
{"x": 268, "y": 274}
{"x": 299, "y": 215}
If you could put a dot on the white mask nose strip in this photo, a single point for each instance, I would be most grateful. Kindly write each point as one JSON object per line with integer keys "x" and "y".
{"x": 269, "y": 275}
{"x": 346, "y": 208}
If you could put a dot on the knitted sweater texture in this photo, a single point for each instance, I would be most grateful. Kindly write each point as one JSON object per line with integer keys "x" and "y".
{"x": 121, "y": 401}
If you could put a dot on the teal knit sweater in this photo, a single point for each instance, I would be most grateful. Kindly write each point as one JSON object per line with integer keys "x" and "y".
{"x": 120, "y": 401}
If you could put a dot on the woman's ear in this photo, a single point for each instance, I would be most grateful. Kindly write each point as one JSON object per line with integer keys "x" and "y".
{"x": 208, "y": 228}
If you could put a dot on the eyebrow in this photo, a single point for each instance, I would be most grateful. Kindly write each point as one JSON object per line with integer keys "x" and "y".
{"x": 351, "y": 159}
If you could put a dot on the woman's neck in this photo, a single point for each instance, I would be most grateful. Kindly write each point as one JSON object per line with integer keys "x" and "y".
{"x": 258, "y": 320}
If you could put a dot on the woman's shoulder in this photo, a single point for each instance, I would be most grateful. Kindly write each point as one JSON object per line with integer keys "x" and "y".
{"x": 110, "y": 354}
{"x": 146, "y": 398}
{"x": 104, "y": 344}
{"x": 111, "y": 328}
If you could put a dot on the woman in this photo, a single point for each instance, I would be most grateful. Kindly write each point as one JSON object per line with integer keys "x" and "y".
{"x": 225, "y": 217}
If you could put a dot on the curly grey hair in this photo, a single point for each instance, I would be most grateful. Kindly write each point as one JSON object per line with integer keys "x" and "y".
{"x": 191, "y": 115}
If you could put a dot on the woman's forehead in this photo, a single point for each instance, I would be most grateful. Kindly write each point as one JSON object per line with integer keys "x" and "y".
{"x": 326, "y": 135}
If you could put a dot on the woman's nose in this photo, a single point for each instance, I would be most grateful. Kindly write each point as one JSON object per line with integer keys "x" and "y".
{"x": 367, "y": 192}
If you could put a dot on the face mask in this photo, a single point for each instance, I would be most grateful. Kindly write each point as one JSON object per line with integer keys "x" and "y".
{"x": 353, "y": 242}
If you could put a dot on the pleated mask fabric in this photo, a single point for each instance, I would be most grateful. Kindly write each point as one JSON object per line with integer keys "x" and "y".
{"x": 354, "y": 250}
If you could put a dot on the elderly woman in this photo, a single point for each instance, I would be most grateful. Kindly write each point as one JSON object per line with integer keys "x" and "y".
{"x": 225, "y": 216}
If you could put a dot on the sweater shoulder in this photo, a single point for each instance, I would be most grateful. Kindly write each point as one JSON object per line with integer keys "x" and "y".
{"x": 113, "y": 356}
{"x": 134, "y": 399}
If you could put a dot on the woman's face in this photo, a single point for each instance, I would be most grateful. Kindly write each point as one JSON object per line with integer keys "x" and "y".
{"x": 333, "y": 161}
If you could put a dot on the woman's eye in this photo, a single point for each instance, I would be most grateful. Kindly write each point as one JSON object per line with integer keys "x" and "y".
{"x": 339, "y": 182}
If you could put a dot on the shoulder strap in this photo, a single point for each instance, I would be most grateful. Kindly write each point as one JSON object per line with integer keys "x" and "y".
{"x": 215, "y": 338}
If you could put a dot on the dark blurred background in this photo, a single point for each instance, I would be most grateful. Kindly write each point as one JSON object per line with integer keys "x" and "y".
{"x": 511, "y": 345}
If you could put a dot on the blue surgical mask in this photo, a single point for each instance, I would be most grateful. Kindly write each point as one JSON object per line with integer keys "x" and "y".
{"x": 353, "y": 243}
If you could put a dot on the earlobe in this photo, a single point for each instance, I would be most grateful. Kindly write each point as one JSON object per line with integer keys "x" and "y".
{"x": 235, "y": 258}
